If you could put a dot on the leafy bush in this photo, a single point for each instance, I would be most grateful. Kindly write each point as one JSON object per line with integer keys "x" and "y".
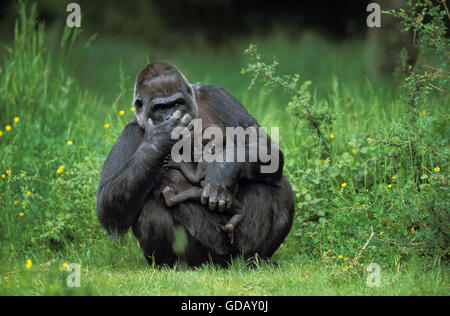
{"x": 372, "y": 196}
{"x": 49, "y": 177}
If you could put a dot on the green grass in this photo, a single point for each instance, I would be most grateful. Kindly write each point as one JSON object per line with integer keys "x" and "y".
{"x": 292, "y": 274}
{"x": 63, "y": 94}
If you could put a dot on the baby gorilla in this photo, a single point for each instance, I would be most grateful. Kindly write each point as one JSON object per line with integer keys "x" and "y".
{"x": 196, "y": 178}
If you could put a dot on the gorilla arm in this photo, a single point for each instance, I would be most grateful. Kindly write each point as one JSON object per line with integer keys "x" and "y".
{"x": 221, "y": 177}
{"x": 130, "y": 172}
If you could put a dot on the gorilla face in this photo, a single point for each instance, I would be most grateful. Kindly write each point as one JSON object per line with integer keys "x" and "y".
{"x": 158, "y": 97}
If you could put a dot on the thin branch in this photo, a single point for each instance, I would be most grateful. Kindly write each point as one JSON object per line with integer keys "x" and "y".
{"x": 432, "y": 38}
{"x": 355, "y": 260}
{"x": 437, "y": 88}
{"x": 446, "y": 8}
{"x": 294, "y": 92}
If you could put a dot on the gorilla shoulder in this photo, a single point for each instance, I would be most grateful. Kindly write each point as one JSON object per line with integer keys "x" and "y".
{"x": 224, "y": 106}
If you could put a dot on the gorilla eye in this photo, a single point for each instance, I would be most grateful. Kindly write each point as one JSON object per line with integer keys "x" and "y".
{"x": 161, "y": 107}
{"x": 179, "y": 102}
{"x": 138, "y": 104}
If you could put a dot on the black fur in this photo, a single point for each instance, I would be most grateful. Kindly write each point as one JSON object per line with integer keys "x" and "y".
{"x": 133, "y": 176}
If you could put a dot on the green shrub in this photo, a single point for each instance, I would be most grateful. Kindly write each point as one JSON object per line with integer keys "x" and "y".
{"x": 388, "y": 189}
{"x": 45, "y": 208}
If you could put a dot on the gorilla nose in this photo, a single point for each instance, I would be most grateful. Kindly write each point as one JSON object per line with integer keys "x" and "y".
{"x": 167, "y": 115}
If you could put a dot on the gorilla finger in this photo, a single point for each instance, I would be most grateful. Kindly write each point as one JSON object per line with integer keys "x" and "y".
{"x": 205, "y": 195}
{"x": 222, "y": 205}
{"x": 212, "y": 200}
{"x": 149, "y": 124}
{"x": 222, "y": 200}
{"x": 212, "y": 204}
{"x": 186, "y": 119}
{"x": 176, "y": 115}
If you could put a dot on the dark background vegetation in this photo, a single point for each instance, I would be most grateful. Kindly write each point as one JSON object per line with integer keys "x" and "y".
{"x": 215, "y": 21}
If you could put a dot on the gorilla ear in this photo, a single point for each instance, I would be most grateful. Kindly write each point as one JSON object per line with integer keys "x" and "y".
{"x": 137, "y": 103}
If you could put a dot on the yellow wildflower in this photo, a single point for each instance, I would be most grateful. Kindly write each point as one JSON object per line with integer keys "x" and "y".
{"x": 381, "y": 233}
{"x": 132, "y": 109}
{"x": 1, "y": 133}
{"x": 437, "y": 169}
{"x": 29, "y": 264}
{"x": 122, "y": 113}
{"x": 353, "y": 150}
{"x": 60, "y": 169}
{"x": 106, "y": 126}
{"x": 332, "y": 136}
{"x": 389, "y": 186}
{"x": 394, "y": 177}
{"x": 70, "y": 143}
{"x": 8, "y": 128}
{"x": 16, "y": 202}
{"x": 29, "y": 192}
{"x": 3, "y": 176}
{"x": 344, "y": 184}
{"x": 341, "y": 257}
{"x": 22, "y": 174}
{"x": 65, "y": 266}
{"x": 16, "y": 120}
{"x": 423, "y": 113}
{"x": 412, "y": 230}
{"x": 21, "y": 214}
{"x": 8, "y": 171}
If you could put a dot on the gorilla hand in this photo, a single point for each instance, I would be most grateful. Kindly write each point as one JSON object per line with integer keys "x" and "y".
{"x": 170, "y": 164}
{"x": 220, "y": 179}
{"x": 159, "y": 136}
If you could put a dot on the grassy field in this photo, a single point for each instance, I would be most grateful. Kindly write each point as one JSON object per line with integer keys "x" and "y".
{"x": 60, "y": 112}
{"x": 295, "y": 275}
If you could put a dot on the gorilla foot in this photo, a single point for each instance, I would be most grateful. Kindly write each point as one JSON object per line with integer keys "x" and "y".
{"x": 168, "y": 193}
{"x": 228, "y": 228}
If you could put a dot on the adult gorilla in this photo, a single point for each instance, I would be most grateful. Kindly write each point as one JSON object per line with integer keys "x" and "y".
{"x": 133, "y": 176}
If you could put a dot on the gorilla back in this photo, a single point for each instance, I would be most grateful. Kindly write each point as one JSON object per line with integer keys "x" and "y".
{"x": 133, "y": 176}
